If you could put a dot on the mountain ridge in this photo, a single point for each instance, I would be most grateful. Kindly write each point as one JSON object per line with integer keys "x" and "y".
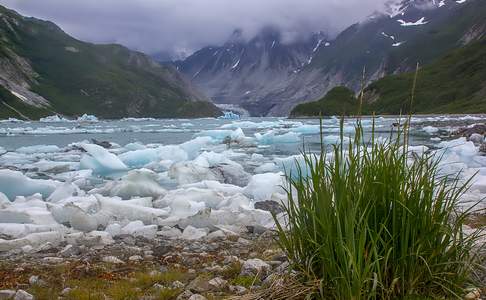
{"x": 52, "y": 72}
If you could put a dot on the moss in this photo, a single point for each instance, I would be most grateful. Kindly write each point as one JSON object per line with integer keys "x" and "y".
{"x": 246, "y": 281}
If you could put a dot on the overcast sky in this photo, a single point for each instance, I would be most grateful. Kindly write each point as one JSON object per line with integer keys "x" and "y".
{"x": 176, "y": 25}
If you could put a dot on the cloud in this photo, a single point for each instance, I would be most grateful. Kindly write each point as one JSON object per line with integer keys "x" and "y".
{"x": 187, "y": 25}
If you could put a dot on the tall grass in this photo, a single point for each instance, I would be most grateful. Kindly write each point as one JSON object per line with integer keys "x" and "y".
{"x": 371, "y": 221}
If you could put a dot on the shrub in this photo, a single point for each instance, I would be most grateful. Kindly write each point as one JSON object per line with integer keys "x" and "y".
{"x": 371, "y": 221}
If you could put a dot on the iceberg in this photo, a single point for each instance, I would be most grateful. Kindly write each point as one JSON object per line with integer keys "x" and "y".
{"x": 100, "y": 160}
{"x": 14, "y": 183}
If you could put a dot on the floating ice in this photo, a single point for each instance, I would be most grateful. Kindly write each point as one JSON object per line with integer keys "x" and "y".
{"x": 430, "y": 129}
{"x": 33, "y": 239}
{"x": 87, "y": 118}
{"x": 100, "y": 160}
{"x": 38, "y": 149}
{"x": 14, "y": 183}
{"x": 271, "y": 138}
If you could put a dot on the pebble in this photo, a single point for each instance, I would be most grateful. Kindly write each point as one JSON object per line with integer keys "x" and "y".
{"x": 112, "y": 260}
{"x": 23, "y": 295}
{"x": 197, "y": 297}
{"x": 6, "y": 294}
{"x": 254, "y": 267}
{"x": 218, "y": 283}
{"x": 135, "y": 258}
{"x": 53, "y": 260}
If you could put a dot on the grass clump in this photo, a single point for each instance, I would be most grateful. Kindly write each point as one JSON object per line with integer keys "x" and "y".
{"x": 373, "y": 222}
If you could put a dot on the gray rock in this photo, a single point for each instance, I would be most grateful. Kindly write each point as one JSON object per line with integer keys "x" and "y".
{"x": 218, "y": 284}
{"x": 69, "y": 251}
{"x": 23, "y": 295}
{"x": 476, "y": 138}
{"x": 237, "y": 290}
{"x": 199, "y": 285}
{"x": 6, "y": 294}
{"x": 270, "y": 205}
{"x": 177, "y": 285}
{"x": 184, "y": 295}
{"x": 161, "y": 250}
{"x": 197, "y": 297}
{"x": 255, "y": 267}
{"x": 112, "y": 260}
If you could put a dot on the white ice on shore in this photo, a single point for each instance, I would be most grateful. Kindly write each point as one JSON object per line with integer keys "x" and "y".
{"x": 14, "y": 183}
{"x": 210, "y": 183}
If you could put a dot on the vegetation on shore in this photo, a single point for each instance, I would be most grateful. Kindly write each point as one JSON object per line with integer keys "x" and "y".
{"x": 373, "y": 220}
{"x": 338, "y": 101}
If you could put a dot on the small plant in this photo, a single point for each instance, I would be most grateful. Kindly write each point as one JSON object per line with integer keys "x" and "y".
{"x": 371, "y": 221}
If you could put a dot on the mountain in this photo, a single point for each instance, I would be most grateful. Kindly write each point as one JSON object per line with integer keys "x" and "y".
{"x": 247, "y": 73}
{"x": 455, "y": 83}
{"x": 43, "y": 71}
{"x": 386, "y": 43}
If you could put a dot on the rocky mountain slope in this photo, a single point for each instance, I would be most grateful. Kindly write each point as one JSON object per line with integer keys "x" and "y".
{"x": 43, "y": 70}
{"x": 410, "y": 31}
{"x": 455, "y": 83}
{"x": 249, "y": 72}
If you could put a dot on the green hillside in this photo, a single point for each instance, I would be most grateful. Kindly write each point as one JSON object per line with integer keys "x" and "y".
{"x": 338, "y": 101}
{"x": 109, "y": 81}
{"x": 455, "y": 83}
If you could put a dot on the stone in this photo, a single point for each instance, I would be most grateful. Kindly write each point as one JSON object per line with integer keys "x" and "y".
{"x": 269, "y": 205}
{"x": 158, "y": 286}
{"x": 197, "y": 297}
{"x": 469, "y": 131}
{"x": 231, "y": 259}
{"x": 23, "y": 295}
{"x": 53, "y": 260}
{"x": 199, "y": 285}
{"x": 255, "y": 267}
{"x": 6, "y": 294}
{"x": 35, "y": 280}
{"x": 135, "y": 258}
{"x": 218, "y": 283}
{"x": 112, "y": 260}
{"x": 476, "y": 138}
{"x": 161, "y": 250}
{"x": 66, "y": 291}
{"x": 69, "y": 251}
{"x": 473, "y": 295}
{"x": 238, "y": 290}
{"x": 177, "y": 285}
{"x": 256, "y": 229}
{"x": 184, "y": 295}
{"x": 192, "y": 233}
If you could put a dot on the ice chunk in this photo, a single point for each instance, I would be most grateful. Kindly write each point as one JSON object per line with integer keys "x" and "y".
{"x": 38, "y": 149}
{"x": 192, "y": 233}
{"x": 33, "y": 239}
{"x": 14, "y": 183}
{"x": 124, "y": 210}
{"x": 271, "y": 138}
{"x": 187, "y": 202}
{"x": 262, "y": 186}
{"x": 134, "y": 146}
{"x": 266, "y": 168}
{"x": 139, "y": 158}
{"x": 226, "y": 189}
{"x": 194, "y": 146}
{"x": 137, "y": 228}
{"x": 90, "y": 239}
{"x": 141, "y": 183}
{"x": 4, "y": 202}
{"x": 16, "y": 231}
{"x": 64, "y": 191}
{"x": 190, "y": 172}
{"x": 236, "y": 135}
{"x": 100, "y": 160}
{"x": 430, "y": 129}
{"x": 87, "y": 118}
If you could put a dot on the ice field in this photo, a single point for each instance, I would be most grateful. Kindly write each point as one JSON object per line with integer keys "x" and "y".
{"x": 91, "y": 180}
